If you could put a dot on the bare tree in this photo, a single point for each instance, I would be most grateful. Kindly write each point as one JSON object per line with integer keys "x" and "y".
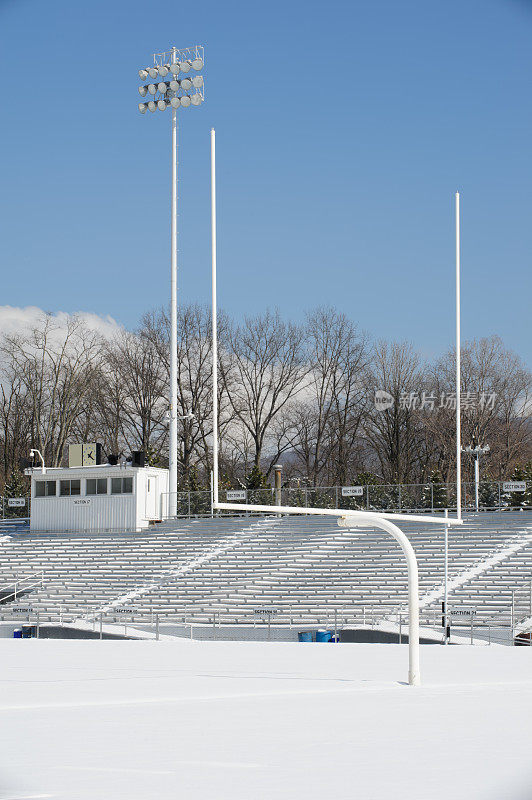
{"x": 55, "y": 365}
{"x": 194, "y": 359}
{"x": 139, "y": 384}
{"x": 262, "y": 368}
{"x": 327, "y": 419}
{"x": 15, "y": 420}
{"x": 395, "y": 433}
{"x": 102, "y": 418}
{"x": 495, "y": 405}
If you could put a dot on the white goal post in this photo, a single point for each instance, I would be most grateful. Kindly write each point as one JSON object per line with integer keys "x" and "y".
{"x": 346, "y": 519}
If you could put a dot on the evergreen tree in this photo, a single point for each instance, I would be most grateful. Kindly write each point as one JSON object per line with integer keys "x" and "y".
{"x": 258, "y": 489}
{"x": 488, "y": 494}
{"x": 194, "y": 482}
{"x": 366, "y": 479}
{"x": 152, "y": 457}
{"x": 16, "y": 486}
{"x": 520, "y": 499}
{"x": 528, "y": 477}
{"x": 256, "y": 479}
{"x": 434, "y": 494}
{"x": 224, "y": 482}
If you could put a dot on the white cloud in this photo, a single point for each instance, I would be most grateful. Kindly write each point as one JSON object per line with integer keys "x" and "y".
{"x": 22, "y": 320}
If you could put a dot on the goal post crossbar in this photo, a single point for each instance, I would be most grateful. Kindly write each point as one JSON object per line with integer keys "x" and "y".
{"x": 386, "y": 522}
{"x": 337, "y": 512}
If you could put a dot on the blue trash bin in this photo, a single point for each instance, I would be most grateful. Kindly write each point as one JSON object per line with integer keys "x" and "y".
{"x": 323, "y": 636}
{"x": 17, "y": 633}
{"x": 305, "y": 636}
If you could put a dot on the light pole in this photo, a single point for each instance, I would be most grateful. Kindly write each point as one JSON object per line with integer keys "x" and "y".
{"x": 475, "y": 449}
{"x": 34, "y": 452}
{"x": 178, "y": 92}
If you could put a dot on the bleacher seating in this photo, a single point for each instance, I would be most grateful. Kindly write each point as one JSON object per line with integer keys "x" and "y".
{"x": 305, "y": 568}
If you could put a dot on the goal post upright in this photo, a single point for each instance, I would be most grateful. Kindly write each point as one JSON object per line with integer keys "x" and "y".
{"x": 346, "y": 518}
{"x": 214, "y": 327}
{"x": 458, "y": 358}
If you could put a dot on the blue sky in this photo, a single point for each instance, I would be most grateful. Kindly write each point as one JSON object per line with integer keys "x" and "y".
{"x": 343, "y": 131}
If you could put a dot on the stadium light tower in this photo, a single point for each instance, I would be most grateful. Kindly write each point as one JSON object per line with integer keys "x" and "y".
{"x": 182, "y": 89}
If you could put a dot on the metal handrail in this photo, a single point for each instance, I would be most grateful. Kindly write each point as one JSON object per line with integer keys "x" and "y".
{"x": 488, "y": 630}
{"x": 16, "y": 584}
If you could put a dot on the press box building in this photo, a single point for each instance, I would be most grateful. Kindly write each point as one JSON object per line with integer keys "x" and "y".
{"x": 97, "y": 498}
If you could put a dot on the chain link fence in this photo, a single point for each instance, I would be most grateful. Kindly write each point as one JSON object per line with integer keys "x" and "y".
{"x": 15, "y": 507}
{"x": 372, "y": 497}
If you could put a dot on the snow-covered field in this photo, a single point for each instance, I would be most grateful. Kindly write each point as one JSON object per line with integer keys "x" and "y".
{"x": 263, "y": 721}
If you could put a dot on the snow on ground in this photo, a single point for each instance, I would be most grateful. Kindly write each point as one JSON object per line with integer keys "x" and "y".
{"x": 262, "y": 721}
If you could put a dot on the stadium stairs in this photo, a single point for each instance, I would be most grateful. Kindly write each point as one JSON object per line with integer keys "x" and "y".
{"x": 303, "y": 568}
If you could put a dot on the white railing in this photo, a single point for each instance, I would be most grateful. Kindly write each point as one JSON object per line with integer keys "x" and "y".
{"x": 20, "y": 586}
{"x": 218, "y": 623}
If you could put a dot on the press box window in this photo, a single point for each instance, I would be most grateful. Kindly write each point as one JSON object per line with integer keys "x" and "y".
{"x": 70, "y": 488}
{"x": 121, "y": 485}
{"x": 44, "y": 488}
{"x": 96, "y": 485}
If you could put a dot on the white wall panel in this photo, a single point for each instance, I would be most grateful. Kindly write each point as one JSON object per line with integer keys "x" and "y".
{"x": 106, "y": 512}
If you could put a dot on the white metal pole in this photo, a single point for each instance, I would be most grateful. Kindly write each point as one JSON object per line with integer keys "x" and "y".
{"x": 445, "y": 579}
{"x": 413, "y": 584}
{"x": 477, "y": 478}
{"x": 172, "y": 488}
{"x": 458, "y": 421}
{"x": 214, "y": 323}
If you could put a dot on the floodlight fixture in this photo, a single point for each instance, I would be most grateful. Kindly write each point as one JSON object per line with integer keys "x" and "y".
{"x": 33, "y": 453}
{"x": 175, "y": 94}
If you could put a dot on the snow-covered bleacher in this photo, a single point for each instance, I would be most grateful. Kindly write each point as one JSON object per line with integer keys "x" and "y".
{"x": 304, "y": 568}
